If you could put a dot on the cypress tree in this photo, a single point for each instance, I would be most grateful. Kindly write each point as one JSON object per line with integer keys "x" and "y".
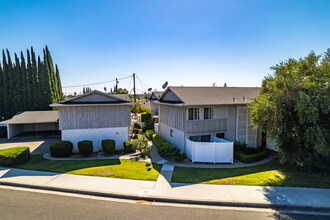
{"x": 48, "y": 80}
{"x": 18, "y": 86}
{"x": 5, "y": 84}
{"x": 59, "y": 84}
{"x": 52, "y": 76}
{"x": 1, "y": 94}
{"x": 29, "y": 81}
{"x": 34, "y": 74}
{"x": 11, "y": 85}
{"x": 24, "y": 82}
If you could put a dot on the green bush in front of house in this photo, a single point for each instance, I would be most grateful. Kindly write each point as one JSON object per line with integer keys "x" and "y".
{"x": 250, "y": 158}
{"x": 128, "y": 146}
{"x": 109, "y": 146}
{"x": 149, "y": 133}
{"x": 137, "y": 125}
{"x": 61, "y": 149}
{"x": 145, "y": 116}
{"x": 14, "y": 156}
{"x": 85, "y": 147}
{"x": 165, "y": 149}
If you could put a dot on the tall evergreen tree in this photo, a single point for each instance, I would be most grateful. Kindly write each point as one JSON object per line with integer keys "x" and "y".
{"x": 24, "y": 82}
{"x": 17, "y": 93}
{"x": 29, "y": 81}
{"x": 52, "y": 76}
{"x": 34, "y": 74}
{"x": 10, "y": 68}
{"x": 48, "y": 80}
{"x": 59, "y": 85}
{"x": 1, "y": 94}
{"x": 5, "y": 85}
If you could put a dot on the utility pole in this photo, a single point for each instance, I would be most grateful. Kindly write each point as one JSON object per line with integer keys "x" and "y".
{"x": 117, "y": 84}
{"x": 134, "y": 93}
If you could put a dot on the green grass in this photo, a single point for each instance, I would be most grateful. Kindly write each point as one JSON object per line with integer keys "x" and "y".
{"x": 12, "y": 152}
{"x": 269, "y": 174}
{"x": 116, "y": 168}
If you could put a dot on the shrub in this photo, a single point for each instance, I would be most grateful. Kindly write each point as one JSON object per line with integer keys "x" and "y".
{"x": 149, "y": 125}
{"x": 245, "y": 158}
{"x": 109, "y": 146}
{"x": 61, "y": 149}
{"x": 128, "y": 146}
{"x": 137, "y": 125}
{"x": 244, "y": 149}
{"x": 145, "y": 116}
{"x": 14, "y": 156}
{"x": 142, "y": 145}
{"x": 149, "y": 133}
{"x": 136, "y": 130}
{"x": 180, "y": 157}
{"x": 165, "y": 149}
{"x": 85, "y": 147}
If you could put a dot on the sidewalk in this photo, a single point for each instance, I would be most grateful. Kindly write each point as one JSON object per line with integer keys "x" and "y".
{"x": 165, "y": 191}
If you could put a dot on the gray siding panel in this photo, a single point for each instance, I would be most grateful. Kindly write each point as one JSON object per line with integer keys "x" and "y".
{"x": 94, "y": 98}
{"x": 172, "y": 116}
{"x": 231, "y": 123}
{"x": 205, "y": 125}
{"x": 83, "y": 117}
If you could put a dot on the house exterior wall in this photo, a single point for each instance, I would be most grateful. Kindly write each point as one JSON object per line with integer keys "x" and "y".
{"x": 153, "y": 108}
{"x": 86, "y": 117}
{"x": 231, "y": 123}
{"x": 178, "y": 136}
{"x": 170, "y": 96}
{"x": 13, "y": 130}
{"x": 119, "y": 134}
{"x": 246, "y": 133}
{"x": 172, "y": 116}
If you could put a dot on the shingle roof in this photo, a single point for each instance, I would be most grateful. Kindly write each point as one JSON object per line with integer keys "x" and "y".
{"x": 94, "y": 98}
{"x": 158, "y": 94}
{"x": 213, "y": 95}
{"x": 29, "y": 117}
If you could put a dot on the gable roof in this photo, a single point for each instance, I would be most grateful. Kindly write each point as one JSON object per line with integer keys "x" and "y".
{"x": 33, "y": 117}
{"x": 93, "y": 98}
{"x": 193, "y": 96}
{"x": 156, "y": 95}
{"x": 122, "y": 96}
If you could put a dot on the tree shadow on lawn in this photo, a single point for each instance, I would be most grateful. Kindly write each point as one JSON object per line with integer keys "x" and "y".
{"x": 269, "y": 174}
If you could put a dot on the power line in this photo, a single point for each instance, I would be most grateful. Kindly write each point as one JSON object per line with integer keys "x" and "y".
{"x": 92, "y": 84}
{"x": 143, "y": 83}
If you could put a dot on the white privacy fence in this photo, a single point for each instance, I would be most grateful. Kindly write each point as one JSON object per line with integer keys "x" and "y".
{"x": 218, "y": 151}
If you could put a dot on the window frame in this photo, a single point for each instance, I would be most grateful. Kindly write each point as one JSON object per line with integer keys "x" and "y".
{"x": 194, "y": 112}
{"x": 210, "y": 113}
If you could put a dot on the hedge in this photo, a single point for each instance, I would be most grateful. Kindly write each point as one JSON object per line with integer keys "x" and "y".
{"x": 145, "y": 116}
{"x": 85, "y": 147}
{"x": 252, "y": 157}
{"x": 165, "y": 149}
{"x": 61, "y": 149}
{"x": 128, "y": 147}
{"x": 109, "y": 146}
{"x": 149, "y": 133}
{"x": 137, "y": 125}
{"x": 14, "y": 156}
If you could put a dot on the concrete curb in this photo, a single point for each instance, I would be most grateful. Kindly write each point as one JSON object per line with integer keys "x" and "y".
{"x": 167, "y": 200}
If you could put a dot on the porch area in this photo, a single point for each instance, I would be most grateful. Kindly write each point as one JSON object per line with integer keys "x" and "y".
{"x": 216, "y": 151}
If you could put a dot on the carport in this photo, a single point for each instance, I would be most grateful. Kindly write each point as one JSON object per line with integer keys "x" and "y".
{"x": 33, "y": 124}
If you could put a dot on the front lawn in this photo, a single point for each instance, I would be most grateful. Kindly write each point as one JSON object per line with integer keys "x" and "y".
{"x": 116, "y": 168}
{"x": 269, "y": 174}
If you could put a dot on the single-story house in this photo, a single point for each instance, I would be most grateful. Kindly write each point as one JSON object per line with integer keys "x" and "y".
{"x": 33, "y": 123}
{"x": 189, "y": 116}
{"x": 95, "y": 116}
{"x": 153, "y": 98}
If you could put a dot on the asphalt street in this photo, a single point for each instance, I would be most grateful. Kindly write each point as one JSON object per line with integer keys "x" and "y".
{"x": 19, "y": 203}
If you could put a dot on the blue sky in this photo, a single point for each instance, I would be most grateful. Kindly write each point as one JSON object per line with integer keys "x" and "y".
{"x": 184, "y": 42}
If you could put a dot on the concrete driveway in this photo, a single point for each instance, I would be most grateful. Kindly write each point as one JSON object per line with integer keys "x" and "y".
{"x": 37, "y": 146}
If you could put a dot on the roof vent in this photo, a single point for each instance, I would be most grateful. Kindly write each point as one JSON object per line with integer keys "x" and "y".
{"x": 233, "y": 99}
{"x": 225, "y": 85}
{"x": 244, "y": 98}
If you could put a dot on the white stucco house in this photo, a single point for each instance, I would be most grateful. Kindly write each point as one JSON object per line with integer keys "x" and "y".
{"x": 202, "y": 121}
{"x": 95, "y": 116}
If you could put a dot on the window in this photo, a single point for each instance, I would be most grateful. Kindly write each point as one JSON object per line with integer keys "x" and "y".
{"x": 171, "y": 132}
{"x": 193, "y": 114}
{"x": 220, "y": 135}
{"x": 208, "y": 113}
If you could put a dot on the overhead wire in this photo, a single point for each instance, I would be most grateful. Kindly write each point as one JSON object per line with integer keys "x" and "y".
{"x": 98, "y": 83}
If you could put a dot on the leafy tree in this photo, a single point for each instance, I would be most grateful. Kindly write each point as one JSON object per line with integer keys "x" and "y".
{"x": 293, "y": 107}
{"x": 119, "y": 91}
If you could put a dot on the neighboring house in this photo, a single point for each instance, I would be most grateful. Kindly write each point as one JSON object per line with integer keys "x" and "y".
{"x": 33, "y": 123}
{"x": 122, "y": 96}
{"x": 188, "y": 115}
{"x": 154, "y": 106}
{"x": 95, "y": 116}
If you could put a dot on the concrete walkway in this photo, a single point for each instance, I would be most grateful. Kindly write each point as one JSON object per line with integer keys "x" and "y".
{"x": 164, "y": 190}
